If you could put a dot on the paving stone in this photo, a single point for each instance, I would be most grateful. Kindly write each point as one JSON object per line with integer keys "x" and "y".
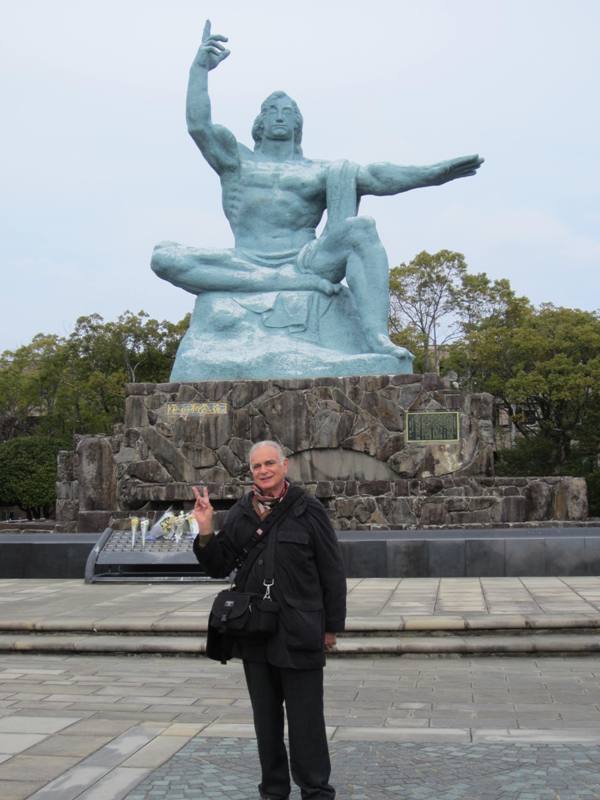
{"x": 156, "y": 752}
{"x": 61, "y": 745}
{"x": 116, "y": 784}
{"x": 36, "y": 768}
{"x": 123, "y": 746}
{"x": 402, "y": 734}
{"x": 538, "y": 735}
{"x": 99, "y": 726}
{"x": 17, "y": 790}
{"x": 71, "y": 783}
{"x": 228, "y": 770}
{"x": 17, "y": 742}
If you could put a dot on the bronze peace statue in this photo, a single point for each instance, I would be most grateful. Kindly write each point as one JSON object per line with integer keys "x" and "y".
{"x": 274, "y": 305}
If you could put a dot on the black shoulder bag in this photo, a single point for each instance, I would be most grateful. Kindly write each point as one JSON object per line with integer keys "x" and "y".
{"x": 248, "y": 615}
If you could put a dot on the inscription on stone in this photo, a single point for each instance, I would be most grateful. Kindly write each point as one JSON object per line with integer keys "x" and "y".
{"x": 195, "y": 409}
{"x": 432, "y": 426}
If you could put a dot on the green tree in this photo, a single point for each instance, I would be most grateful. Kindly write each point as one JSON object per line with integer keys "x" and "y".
{"x": 58, "y": 386}
{"x": 30, "y": 379}
{"x": 434, "y": 301}
{"x": 543, "y": 366}
{"x": 28, "y": 473}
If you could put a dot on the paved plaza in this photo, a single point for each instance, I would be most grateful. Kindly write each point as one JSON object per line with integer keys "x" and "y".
{"x": 78, "y": 725}
{"x": 108, "y": 727}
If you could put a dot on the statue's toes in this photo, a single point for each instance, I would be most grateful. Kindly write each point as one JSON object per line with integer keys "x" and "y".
{"x": 399, "y": 352}
{"x": 327, "y": 287}
{"x": 385, "y": 346}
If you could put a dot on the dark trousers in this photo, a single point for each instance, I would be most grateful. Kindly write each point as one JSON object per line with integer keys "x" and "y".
{"x": 302, "y": 692}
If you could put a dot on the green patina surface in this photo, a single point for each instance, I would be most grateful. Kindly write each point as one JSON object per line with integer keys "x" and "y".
{"x": 274, "y": 305}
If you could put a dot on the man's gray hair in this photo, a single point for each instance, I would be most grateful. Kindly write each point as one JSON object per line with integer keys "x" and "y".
{"x": 267, "y": 443}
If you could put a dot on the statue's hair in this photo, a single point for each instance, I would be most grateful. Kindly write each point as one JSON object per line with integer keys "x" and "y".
{"x": 267, "y": 443}
{"x": 258, "y": 127}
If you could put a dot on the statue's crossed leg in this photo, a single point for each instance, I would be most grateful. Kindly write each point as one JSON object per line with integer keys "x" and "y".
{"x": 201, "y": 270}
{"x": 349, "y": 249}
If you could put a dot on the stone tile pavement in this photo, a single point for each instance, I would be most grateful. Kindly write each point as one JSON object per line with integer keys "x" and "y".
{"x": 226, "y": 770}
{"x": 373, "y": 603}
{"x": 107, "y": 727}
{"x": 104, "y": 727}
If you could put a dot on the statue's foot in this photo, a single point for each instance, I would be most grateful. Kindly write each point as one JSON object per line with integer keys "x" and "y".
{"x": 304, "y": 281}
{"x": 328, "y": 288}
{"x": 381, "y": 343}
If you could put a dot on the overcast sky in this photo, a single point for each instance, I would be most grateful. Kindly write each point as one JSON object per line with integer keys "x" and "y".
{"x": 96, "y": 165}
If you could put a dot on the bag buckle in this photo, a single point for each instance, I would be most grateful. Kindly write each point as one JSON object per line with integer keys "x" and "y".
{"x": 267, "y": 594}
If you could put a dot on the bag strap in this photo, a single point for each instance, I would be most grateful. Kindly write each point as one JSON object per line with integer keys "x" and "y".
{"x": 269, "y": 578}
{"x": 279, "y": 511}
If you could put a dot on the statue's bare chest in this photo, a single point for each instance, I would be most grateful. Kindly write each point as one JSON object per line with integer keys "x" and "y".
{"x": 303, "y": 179}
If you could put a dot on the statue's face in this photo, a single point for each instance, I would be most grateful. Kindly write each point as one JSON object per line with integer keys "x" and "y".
{"x": 278, "y": 119}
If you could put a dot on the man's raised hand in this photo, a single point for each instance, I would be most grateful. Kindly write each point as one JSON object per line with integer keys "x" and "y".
{"x": 211, "y": 51}
{"x": 203, "y": 510}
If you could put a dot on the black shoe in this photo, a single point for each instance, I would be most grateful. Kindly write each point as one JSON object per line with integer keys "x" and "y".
{"x": 268, "y": 797}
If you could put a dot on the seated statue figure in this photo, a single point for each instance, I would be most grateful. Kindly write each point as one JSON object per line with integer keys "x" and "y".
{"x": 274, "y": 305}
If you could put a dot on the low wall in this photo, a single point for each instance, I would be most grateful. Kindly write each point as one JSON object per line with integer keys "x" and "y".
{"x": 435, "y": 502}
{"x": 451, "y": 501}
{"x": 572, "y": 550}
{"x": 473, "y": 553}
{"x": 44, "y": 555}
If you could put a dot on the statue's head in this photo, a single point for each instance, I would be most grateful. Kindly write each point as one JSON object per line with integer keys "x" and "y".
{"x": 269, "y": 103}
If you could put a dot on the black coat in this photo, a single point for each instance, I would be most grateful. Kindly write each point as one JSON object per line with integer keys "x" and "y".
{"x": 310, "y": 583}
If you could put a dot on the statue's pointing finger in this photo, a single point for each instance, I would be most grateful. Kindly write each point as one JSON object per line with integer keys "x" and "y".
{"x": 212, "y": 38}
{"x": 211, "y": 44}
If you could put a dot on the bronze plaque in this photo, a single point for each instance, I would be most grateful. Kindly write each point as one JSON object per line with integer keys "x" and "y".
{"x": 432, "y": 426}
{"x": 195, "y": 409}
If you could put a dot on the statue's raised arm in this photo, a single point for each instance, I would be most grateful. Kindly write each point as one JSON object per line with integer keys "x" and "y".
{"x": 384, "y": 178}
{"x": 218, "y": 145}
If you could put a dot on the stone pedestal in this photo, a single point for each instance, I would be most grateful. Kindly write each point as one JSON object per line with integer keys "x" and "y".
{"x": 332, "y": 429}
{"x": 363, "y": 445}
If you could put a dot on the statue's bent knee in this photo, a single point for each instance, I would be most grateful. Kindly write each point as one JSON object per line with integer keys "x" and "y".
{"x": 159, "y": 262}
{"x": 163, "y": 260}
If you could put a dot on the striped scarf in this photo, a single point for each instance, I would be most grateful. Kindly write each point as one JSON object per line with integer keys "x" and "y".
{"x": 263, "y": 503}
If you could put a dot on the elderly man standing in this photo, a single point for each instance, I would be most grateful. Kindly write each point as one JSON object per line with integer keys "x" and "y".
{"x": 310, "y": 587}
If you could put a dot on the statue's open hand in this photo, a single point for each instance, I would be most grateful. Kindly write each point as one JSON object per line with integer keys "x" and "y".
{"x": 460, "y": 167}
{"x": 211, "y": 51}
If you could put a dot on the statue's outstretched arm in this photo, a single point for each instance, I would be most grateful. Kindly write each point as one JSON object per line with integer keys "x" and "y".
{"x": 387, "y": 178}
{"x": 218, "y": 145}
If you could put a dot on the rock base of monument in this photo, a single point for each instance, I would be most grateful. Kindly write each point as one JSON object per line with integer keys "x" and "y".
{"x": 387, "y": 451}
